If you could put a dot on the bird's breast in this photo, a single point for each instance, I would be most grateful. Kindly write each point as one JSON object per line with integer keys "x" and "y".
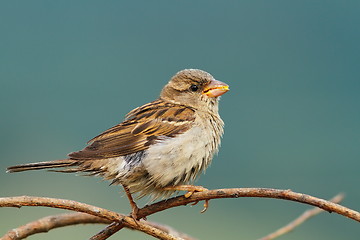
{"x": 178, "y": 160}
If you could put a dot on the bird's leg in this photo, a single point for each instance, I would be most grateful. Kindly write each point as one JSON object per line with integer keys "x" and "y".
{"x": 134, "y": 207}
{"x": 191, "y": 189}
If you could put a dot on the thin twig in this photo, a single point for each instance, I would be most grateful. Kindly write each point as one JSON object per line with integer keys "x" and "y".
{"x": 148, "y": 229}
{"x": 108, "y": 231}
{"x": 301, "y": 219}
{"x": 171, "y": 231}
{"x": 51, "y": 222}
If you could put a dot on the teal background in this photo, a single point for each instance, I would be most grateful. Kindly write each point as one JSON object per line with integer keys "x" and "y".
{"x": 71, "y": 69}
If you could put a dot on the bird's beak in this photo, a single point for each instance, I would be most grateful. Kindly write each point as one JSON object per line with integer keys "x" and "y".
{"x": 215, "y": 88}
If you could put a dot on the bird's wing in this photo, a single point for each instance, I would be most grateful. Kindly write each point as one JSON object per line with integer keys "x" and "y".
{"x": 142, "y": 127}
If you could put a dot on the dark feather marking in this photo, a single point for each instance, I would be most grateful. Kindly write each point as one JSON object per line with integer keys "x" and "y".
{"x": 160, "y": 113}
{"x": 142, "y": 127}
{"x": 114, "y": 182}
{"x": 173, "y": 181}
{"x": 93, "y": 146}
{"x": 42, "y": 165}
{"x": 146, "y": 114}
{"x": 135, "y": 158}
{"x": 174, "y": 132}
{"x": 151, "y": 131}
{"x": 171, "y": 119}
{"x": 180, "y": 110}
{"x": 150, "y": 140}
{"x": 183, "y": 177}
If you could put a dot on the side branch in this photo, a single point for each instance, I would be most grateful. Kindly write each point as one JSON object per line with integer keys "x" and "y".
{"x": 301, "y": 219}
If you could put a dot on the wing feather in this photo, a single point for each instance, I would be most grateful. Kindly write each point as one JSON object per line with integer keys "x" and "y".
{"x": 142, "y": 127}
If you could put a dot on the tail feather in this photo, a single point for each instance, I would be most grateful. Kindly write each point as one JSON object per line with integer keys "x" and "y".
{"x": 41, "y": 165}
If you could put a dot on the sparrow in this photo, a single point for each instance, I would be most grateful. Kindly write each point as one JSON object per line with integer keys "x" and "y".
{"x": 160, "y": 147}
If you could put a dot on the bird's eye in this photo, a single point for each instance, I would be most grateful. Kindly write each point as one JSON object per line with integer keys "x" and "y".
{"x": 194, "y": 88}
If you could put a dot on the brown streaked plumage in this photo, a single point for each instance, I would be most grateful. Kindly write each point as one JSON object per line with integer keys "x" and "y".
{"x": 160, "y": 146}
{"x": 142, "y": 127}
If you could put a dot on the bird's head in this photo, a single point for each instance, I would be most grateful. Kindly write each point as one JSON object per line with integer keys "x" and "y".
{"x": 194, "y": 88}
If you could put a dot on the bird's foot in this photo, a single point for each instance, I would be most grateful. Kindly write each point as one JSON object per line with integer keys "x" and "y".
{"x": 134, "y": 212}
{"x": 191, "y": 189}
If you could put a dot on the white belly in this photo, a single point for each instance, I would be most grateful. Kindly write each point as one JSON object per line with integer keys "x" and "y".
{"x": 186, "y": 156}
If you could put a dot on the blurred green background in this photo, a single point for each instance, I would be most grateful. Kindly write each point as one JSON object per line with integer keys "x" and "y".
{"x": 71, "y": 69}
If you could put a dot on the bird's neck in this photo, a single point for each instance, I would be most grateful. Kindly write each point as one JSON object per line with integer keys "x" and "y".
{"x": 208, "y": 105}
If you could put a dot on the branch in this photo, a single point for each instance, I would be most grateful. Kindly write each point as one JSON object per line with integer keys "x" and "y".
{"x": 125, "y": 221}
{"x": 128, "y": 222}
{"x": 249, "y": 192}
{"x": 51, "y": 222}
{"x": 301, "y": 219}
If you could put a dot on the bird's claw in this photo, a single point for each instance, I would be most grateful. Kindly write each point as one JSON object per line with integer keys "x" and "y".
{"x": 206, "y": 206}
{"x": 191, "y": 189}
{"x": 198, "y": 189}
